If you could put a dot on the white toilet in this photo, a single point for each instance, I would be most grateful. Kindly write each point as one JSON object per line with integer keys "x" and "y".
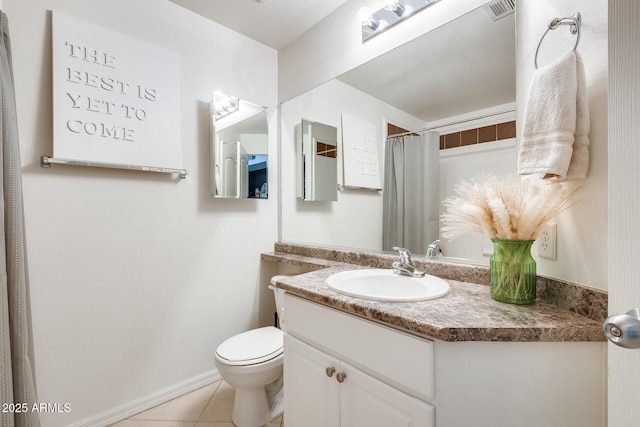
{"x": 252, "y": 363}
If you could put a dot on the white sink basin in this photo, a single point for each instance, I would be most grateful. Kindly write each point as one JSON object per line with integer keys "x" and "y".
{"x": 383, "y": 285}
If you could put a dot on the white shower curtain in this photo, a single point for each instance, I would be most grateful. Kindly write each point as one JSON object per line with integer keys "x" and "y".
{"x": 17, "y": 377}
{"x": 410, "y": 195}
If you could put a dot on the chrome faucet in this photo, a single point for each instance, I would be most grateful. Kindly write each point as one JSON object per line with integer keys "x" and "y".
{"x": 433, "y": 249}
{"x": 405, "y": 266}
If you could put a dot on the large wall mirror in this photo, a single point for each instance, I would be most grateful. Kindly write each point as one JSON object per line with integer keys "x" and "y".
{"x": 239, "y": 146}
{"x": 458, "y": 79}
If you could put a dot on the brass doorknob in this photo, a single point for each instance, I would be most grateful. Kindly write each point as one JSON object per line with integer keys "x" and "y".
{"x": 330, "y": 371}
{"x": 341, "y": 376}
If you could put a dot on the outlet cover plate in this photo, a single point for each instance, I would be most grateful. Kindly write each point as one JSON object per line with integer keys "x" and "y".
{"x": 547, "y": 242}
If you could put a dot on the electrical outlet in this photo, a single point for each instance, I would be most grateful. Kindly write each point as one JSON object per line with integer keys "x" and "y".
{"x": 547, "y": 242}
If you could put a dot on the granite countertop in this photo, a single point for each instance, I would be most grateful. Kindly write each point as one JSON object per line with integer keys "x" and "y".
{"x": 467, "y": 313}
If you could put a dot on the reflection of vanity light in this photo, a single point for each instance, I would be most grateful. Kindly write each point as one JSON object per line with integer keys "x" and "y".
{"x": 224, "y": 105}
{"x": 392, "y": 13}
{"x": 367, "y": 20}
{"x": 397, "y": 7}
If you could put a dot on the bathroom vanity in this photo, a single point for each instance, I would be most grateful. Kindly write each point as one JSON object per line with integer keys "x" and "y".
{"x": 345, "y": 371}
{"x": 460, "y": 360}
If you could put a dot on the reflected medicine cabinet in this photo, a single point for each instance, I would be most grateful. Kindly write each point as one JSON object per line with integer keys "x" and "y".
{"x": 317, "y": 161}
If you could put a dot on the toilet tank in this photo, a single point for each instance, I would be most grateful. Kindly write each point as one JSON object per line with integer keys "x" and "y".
{"x": 279, "y": 296}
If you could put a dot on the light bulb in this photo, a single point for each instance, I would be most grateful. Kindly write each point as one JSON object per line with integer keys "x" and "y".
{"x": 396, "y": 7}
{"x": 366, "y": 18}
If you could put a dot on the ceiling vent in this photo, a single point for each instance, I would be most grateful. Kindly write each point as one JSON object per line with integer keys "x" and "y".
{"x": 500, "y": 8}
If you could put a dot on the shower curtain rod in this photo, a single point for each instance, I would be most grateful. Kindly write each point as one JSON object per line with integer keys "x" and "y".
{"x": 451, "y": 123}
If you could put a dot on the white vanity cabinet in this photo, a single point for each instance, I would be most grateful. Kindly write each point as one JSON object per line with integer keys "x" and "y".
{"x": 393, "y": 379}
{"x": 313, "y": 397}
{"x": 323, "y": 391}
{"x": 340, "y": 371}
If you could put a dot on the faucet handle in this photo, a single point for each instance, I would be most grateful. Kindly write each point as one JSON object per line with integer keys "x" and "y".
{"x": 405, "y": 255}
{"x": 433, "y": 249}
{"x": 405, "y": 266}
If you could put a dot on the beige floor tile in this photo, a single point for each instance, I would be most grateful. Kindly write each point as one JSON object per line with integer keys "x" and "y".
{"x": 214, "y": 424}
{"x": 227, "y": 424}
{"x": 184, "y": 408}
{"x": 152, "y": 423}
{"x": 212, "y": 404}
{"x": 277, "y": 422}
{"x": 220, "y": 406}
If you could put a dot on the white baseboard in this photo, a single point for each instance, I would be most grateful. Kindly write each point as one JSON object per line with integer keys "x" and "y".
{"x": 129, "y": 409}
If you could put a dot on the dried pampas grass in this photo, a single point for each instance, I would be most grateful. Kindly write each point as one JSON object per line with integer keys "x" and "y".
{"x": 508, "y": 208}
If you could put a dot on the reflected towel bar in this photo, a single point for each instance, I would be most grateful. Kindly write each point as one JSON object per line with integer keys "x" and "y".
{"x": 46, "y": 162}
{"x": 353, "y": 187}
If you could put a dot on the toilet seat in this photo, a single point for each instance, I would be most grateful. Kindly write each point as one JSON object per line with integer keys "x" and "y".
{"x": 251, "y": 347}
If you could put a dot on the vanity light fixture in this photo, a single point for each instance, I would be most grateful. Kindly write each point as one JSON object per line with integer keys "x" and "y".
{"x": 392, "y": 13}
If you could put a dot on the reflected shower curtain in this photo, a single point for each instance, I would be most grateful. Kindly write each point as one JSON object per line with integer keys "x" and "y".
{"x": 17, "y": 381}
{"x": 410, "y": 195}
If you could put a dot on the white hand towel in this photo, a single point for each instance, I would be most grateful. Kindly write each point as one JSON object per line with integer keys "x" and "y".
{"x": 580, "y": 158}
{"x": 555, "y": 136}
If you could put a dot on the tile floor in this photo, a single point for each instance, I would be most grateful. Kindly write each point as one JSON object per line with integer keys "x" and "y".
{"x": 209, "y": 406}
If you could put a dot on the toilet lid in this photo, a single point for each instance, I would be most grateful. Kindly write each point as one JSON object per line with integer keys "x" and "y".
{"x": 255, "y": 346}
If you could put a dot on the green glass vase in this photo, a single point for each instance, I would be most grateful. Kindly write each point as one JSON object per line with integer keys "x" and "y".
{"x": 513, "y": 272}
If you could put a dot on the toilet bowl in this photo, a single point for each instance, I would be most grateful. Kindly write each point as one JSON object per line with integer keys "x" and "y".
{"x": 252, "y": 363}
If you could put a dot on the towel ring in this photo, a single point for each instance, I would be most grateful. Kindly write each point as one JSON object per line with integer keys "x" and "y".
{"x": 573, "y": 21}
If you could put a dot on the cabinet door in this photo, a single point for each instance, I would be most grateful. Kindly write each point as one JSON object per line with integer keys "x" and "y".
{"x": 367, "y": 402}
{"x": 311, "y": 397}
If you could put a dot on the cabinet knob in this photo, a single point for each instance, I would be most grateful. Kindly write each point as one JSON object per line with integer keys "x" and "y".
{"x": 341, "y": 376}
{"x": 330, "y": 371}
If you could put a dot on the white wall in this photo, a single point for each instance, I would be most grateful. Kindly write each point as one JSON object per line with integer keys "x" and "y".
{"x": 582, "y": 240}
{"x": 136, "y": 277}
{"x": 355, "y": 220}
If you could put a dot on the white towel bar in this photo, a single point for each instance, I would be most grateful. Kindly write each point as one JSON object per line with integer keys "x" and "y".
{"x": 46, "y": 162}
{"x": 574, "y": 21}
